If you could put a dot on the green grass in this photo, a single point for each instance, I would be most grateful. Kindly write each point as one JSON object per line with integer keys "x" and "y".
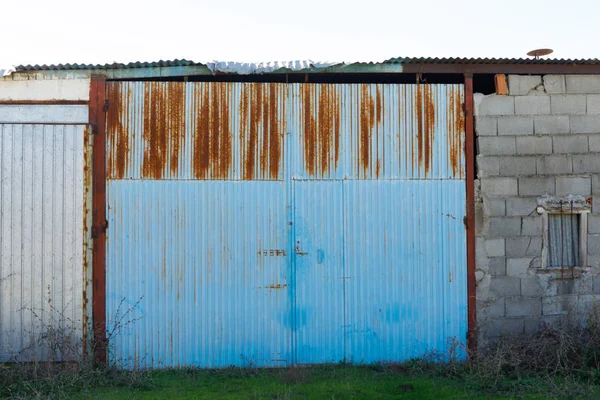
{"x": 323, "y": 382}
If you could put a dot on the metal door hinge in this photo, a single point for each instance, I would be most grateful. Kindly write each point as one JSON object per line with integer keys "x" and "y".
{"x": 105, "y": 106}
{"x": 98, "y": 230}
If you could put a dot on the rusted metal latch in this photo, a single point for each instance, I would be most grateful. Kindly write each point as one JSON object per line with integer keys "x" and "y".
{"x": 98, "y": 230}
{"x": 104, "y": 110}
{"x": 298, "y": 250}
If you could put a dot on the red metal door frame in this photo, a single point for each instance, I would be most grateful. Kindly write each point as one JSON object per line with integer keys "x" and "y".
{"x": 470, "y": 223}
{"x": 97, "y": 120}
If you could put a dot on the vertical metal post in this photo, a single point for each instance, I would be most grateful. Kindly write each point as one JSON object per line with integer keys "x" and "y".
{"x": 97, "y": 113}
{"x": 470, "y": 161}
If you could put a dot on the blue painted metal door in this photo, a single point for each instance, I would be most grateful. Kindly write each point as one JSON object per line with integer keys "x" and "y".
{"x": 272, "y": 224}
{"x": 379, "y": 192}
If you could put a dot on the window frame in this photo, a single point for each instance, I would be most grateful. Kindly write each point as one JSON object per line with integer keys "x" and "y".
{"x": 582, "y": 210}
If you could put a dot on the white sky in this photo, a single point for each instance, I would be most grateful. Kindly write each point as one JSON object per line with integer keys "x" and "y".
{"x": 82, "y": 31}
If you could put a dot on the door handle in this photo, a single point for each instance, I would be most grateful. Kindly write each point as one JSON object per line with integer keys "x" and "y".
{"x": 298, "y": 250}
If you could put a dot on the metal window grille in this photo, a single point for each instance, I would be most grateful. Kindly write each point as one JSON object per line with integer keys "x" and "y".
{"x": 564, "y": 239}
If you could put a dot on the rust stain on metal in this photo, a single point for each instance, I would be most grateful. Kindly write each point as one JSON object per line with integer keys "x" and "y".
{"x": 260, "y": 130}
{"x": 176, "y": 120}
{"x": 321, "y": 123}
{"x": 455, "y": 128}
{"x": 425, "y": 110}
{"x": 117, "y": 132}
{"x": 276, "y": 286}
{"x": 255, "y": 104}
{"x": 212, "y": 132}
{"x": 370, "y": 114}
{"x": 164, "y": 127}
{"x": 155, "y": 150}
{"x": 309, "y": 128}
{"x": 274, "y": 133}
{"x": 87, "y": 187}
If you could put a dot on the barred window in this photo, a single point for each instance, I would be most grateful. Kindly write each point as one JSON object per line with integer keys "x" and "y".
{"x": 564, "y": 223}
{"x": 563, "y": 240}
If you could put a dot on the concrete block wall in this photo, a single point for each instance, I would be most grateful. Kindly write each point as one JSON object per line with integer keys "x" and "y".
{"x": 542, "y": 138}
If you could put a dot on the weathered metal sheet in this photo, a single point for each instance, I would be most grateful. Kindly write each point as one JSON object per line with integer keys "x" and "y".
{"x": 352, "y": 249}
{"x": 197, "y": 274}
{"x": 378, "y": 131}
{"x": 44, "y": 241}
{"x": 319, "y": 313}
{"x": 44, "y": 114}
{"x": 405, "y": 268}
{"x": 381, "y": 274}
{"x": 203, "y": 130}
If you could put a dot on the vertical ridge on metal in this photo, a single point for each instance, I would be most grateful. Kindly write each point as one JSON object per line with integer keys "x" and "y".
{"x": 98, "y": 123}
{"x": 470, "y": 176}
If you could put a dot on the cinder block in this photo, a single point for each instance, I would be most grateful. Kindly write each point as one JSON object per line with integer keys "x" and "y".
{"x": 486, "y": 126}
{"x": 534, "y": 145}
{"x": 515, "y": 166}
{"x": 551, "y": 124}
{"x": 518, "y": 206}
{"x": 495, "y": 308}
{"x": 515, "y": 125}
{"x": 583, "y": 164}
{"x": 536, "y": 186}
{"x": 554, "y": 165}
{"x": 593, "y": 223}
{"x": 531, "y": 226}
{"x": 503, "y": 286}
{"x": 595, "y": 184}
{"x": 554, "y": 84}
{"x": 594, "y": 141}
{"x": 583, "y": 84}
{"x": 519, "y": 85}
{"x": 517, "y": 267}
{"x": 523, "y": 246}
{"x": 497, "y": 266}
{"x": 596, "y": 204}
{"x": 593, "y": 244}
{"x": 499, "y": 186}
{"x": 497, "y": 105}
{"x": 570, "y": 144}
{"x": 558, "y": 305}
{"x": 593, "y": 104}
{"x": 503, "y": 227}
{"x": 487, "y": 166}
{"x": 568, "y": 104}
{"x": 532, "y": 105}
{"x": 522, "y": 307}
{"x": 573, "y": 185}
{"x": 494, "y": 207}
{"x": 530, "y": 287}
{"x": 585, "y": 123}
{"x": 506, "y": 327}
{"x": 596, "y": 284}
{"x": 495, "y": 145}
{"x": 494, "y": 247}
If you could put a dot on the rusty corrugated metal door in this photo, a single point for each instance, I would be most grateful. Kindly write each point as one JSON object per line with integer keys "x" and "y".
{"x": 270, "y": 224}
{"x": 198, "y": 224}
{"x": 379, "y": 198}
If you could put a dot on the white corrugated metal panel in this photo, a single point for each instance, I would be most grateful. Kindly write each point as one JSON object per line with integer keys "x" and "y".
{"x": 44, "y": 114}
{"x": 45, "y": 90}
{"x": 242, "y": 68}
{"x": 44, "y": 195}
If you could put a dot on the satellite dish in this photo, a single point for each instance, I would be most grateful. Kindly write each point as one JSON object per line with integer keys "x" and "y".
{"x": 539, "y": 53}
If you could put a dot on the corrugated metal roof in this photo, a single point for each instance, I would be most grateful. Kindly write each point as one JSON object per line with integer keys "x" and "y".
{"x": 136, "y": 64}
{"x": 222, "y": 66}
{"x": 458, "y": 60}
